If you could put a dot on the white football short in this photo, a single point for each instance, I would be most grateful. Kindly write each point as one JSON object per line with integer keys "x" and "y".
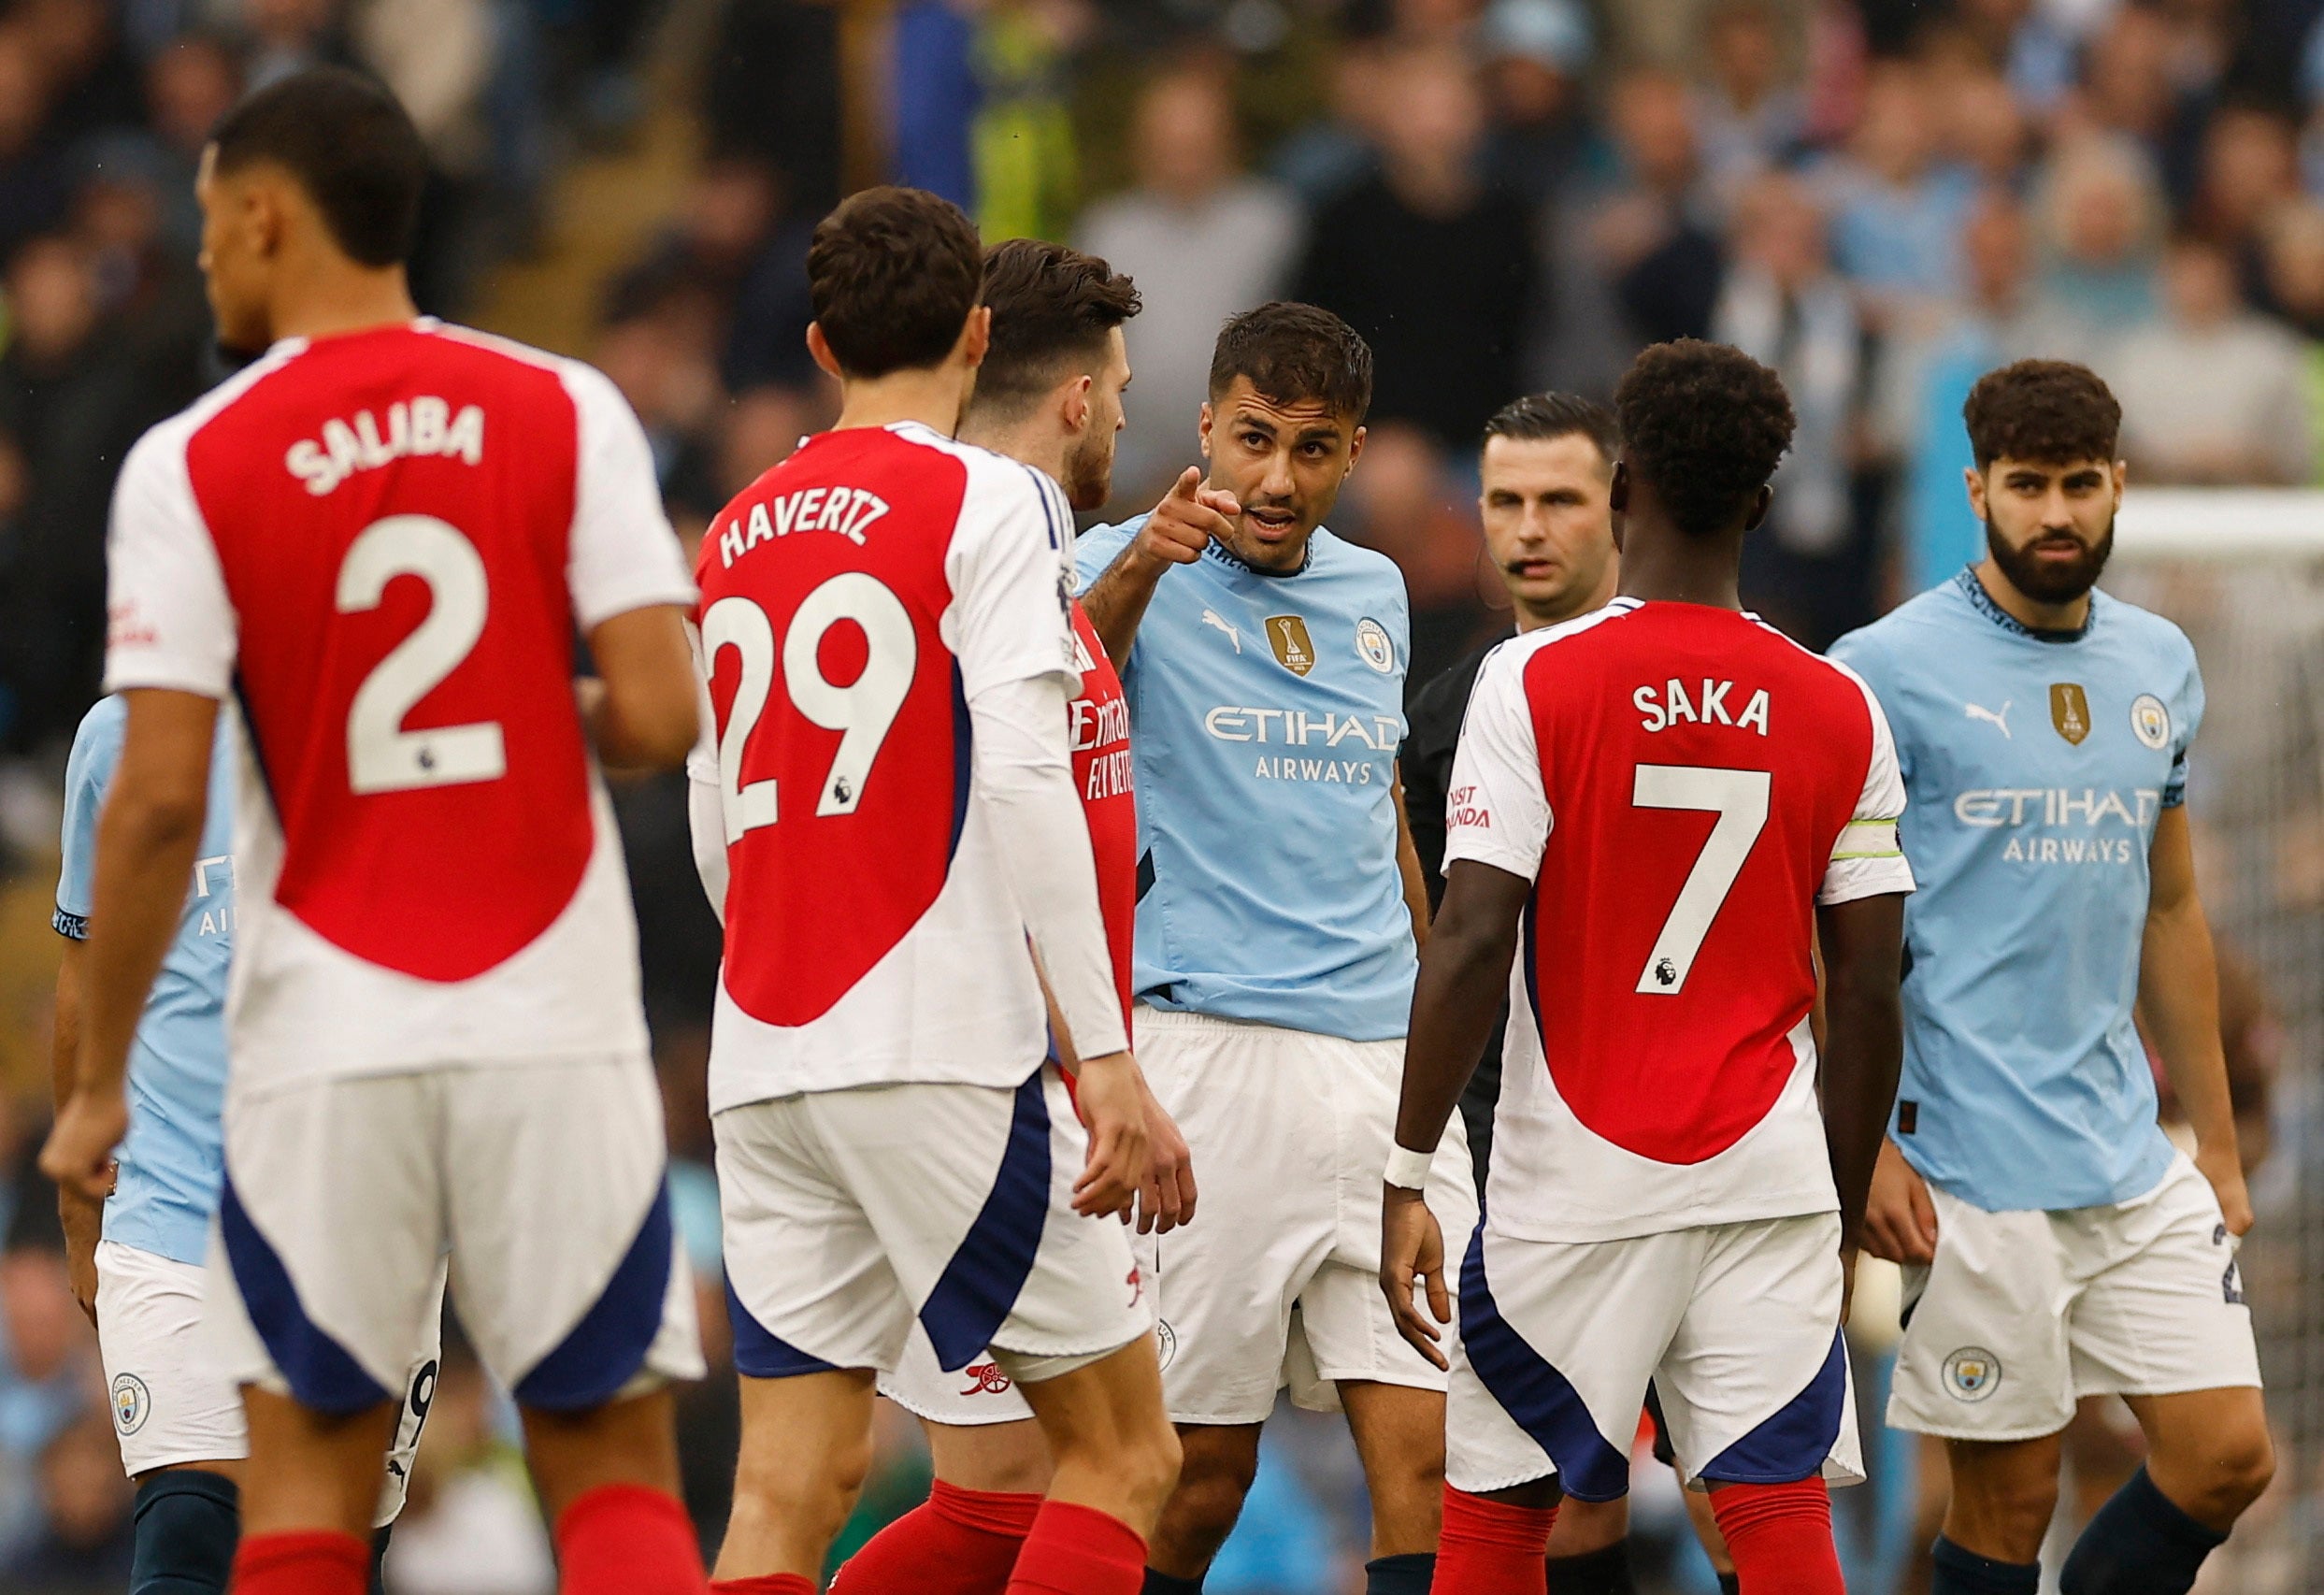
{"x": 172, "y": 1404}
{"x": 2023, "y": 1313}
{"x": 1277, "y": 1280}
{"x": 851, "y": 1215}
{"x": 1737, "y": 1325}
{"x": 974, "y": 1397}
{"x": 546, "y": 1182}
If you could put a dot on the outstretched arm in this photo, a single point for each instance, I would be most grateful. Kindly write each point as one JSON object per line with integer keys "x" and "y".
{"x": 1180, "y": 528}
{"x": 1863, "y": 943}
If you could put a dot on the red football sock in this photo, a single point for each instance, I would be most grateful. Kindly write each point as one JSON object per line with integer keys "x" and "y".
{"x": 1779, "y": 1537}
{"x": 959, "y": 1541}
{"x": 1489, "y": 1547}
{"x": 627, "y": 1540}
{"x": 315, "y": 1562}
{"x": 1079, "y": 1550}
{"x": 764, "y": 1583}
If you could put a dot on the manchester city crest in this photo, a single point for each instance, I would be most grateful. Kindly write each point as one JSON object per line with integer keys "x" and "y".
{"x": 1972, "y": 1373}
{"x": 1373, "y": 647}
{"x": 2150, "y": 722}
{"x": 132, "y": 1402}
{"x": 1165, "y": 1342}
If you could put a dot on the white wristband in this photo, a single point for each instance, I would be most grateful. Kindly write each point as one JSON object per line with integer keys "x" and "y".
{"x": 1408, "y": 1170}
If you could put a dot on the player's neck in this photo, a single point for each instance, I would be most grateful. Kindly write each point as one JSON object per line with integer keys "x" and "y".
{"x": 2032, "y": 613}
{"x": 1036, "y": 443}
{"x": 1661, "y": 564}
{"x": 932, "y": 395}
{"x": 342, "y": 298}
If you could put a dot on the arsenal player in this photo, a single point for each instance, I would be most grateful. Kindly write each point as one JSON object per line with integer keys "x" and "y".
{"x": 1654, "y": 811}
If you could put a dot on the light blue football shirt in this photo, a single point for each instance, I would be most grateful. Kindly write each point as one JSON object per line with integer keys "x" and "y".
{"x": 171, "y": 1161}
{"x": 1265, "y": 715}
{"x": 2035, "y": 767}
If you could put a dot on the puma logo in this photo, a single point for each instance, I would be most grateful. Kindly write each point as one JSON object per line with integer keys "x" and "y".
{"x": 1978, "y": 712}
{"x": 1210, "y": 617}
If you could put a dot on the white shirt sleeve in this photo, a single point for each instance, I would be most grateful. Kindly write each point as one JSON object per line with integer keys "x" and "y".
{"x": 623, "y": 554}
{"x": 1010, "y": 619}
{"x": 1024, "y": 779}
{"x": 169, "y": 620}
{"x": 1497, "y": 811}
{"x": 1868, "y": 860}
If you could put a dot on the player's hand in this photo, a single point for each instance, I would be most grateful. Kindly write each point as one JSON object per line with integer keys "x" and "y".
{"x": 79, "y": 1154}
{"x": 1186, "y": 520}
{"x": 1113, "y": 1098}
{"x": 84, "y": 1224}
{"x": 1899, "y": 1220}
{"x": 2224, "y": 1169}
{"x": 1412, "y": 1246}
{"x": 1167, "y": 1200}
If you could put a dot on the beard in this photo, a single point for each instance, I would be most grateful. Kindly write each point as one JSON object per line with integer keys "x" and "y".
{"x": 1089, "y": 473}
{"x": 2045, "y": 581}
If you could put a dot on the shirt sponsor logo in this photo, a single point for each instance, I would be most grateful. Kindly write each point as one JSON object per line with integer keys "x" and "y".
{"x": 2150, "y": 722}
{"x": 1297, "y": 728}
{"x": 847, "y": 510}
{"x": 2070, "y": 710}
{"x": 1659, "y": 712}
{"x": 1373, "y": 647}
{"x": 424, "y": 427}
{"x": 1295, "y": 650}
{"x": 1463, "y": 812}
{"x": 2006, "y": 807}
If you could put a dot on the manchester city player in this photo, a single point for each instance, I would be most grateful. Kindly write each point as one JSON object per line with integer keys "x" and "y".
{"x": 138, "y": 1261}
{"x": 1264, "y": 663}
{"x": 2055, "y": 1245}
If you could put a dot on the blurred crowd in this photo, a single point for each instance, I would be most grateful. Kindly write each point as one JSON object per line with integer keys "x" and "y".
{"x": 1882, "y": 198}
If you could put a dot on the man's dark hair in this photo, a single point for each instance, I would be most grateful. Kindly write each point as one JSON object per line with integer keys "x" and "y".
{"x": 893, "y": 274}
{"x": 1538, "y": 418}
{"x": 2051, "y": 412}
{"x": 1292, "y": 353}
{"x": 1705, "y": 426}
{"x": 1053, "y": 309}
{"x": 349, "y": 143}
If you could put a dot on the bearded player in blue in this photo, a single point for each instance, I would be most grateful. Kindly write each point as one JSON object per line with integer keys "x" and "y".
{"x": 1263, "y": 660}
{"x": 138, "y": 1261}
{"x": 2056, "y": 1245}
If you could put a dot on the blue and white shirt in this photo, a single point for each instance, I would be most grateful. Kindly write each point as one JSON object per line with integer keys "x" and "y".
{"x": 1265, "y": 713}
{"x": 2036, "y": 765}
{"x": 172, "y": 1160}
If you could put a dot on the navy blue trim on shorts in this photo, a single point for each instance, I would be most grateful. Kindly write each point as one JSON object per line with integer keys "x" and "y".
{"x": 1539, "y": 1400}
{"x": 979, "y": 1286}
{"x": 603, "y": 1351}
{"x": 1790, "y": 1444}
{"x": 761, "y": 1353}
{"x": 319, "y": 1370}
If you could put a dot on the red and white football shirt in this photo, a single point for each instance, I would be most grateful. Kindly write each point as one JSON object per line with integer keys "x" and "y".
{"x": 1684, "y": 784}
{"x": 1101, "y": 773}
{"x": 379, "y": 544}
{"x": 854, "y": 600}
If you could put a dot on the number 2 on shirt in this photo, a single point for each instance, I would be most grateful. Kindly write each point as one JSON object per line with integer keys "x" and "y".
{"x": 863, "y": 710}
{"x": 1739, "y": 799}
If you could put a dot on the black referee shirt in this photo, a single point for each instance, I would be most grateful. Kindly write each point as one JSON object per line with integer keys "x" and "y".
{"x": 1426, "y": 762}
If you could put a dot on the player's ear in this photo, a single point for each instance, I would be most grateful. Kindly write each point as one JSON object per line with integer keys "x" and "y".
{"x": 1759, "y": 502}
{"x": 2122, "y": 480}
{"x": 1973, "y": 479}
{"x": 1202, "y": 428}
{"x": 1355, "y": 451}
{"x": 977, "y": 335}
{"x": 1075, "y": 399}
{"x": 819, "y": 349}
{"x": 1618, "y": 493}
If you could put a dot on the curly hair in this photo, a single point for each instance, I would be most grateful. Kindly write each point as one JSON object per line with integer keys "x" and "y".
{"x": 1705, "y": 426}
{"x": 2050, "y": 412}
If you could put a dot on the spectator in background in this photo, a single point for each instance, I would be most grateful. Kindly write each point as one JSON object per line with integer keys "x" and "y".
{"x": 2133, "y": 87}
{"x": 189, "y": 87}
{"x": 2295, "y": 269}
{"x": 1535, "y": 53}
{"x": 1810, "y": 568}
{"x": 2099, "y": 219}
{"x": 2210, "y": 393}
{"x": 1896, "y": 210}
{"x": 1329, "y": 155}
{"x": 33, "y": 193}
{"x": 2250, "y": 167}
{"x": 1428, "y": 259}
{"x": 774, "y": 82}
{"x": 284, "y": 36}
{"x": 1206, "y": 242}
{"x": 85, "y": 1543}
{"x": 49, "y": 1370}
{"x": 1636, "y": 260}
{"x": 1930, "y": 364}
{"x": 1751, "y": 118}
{"x": 980, "y": 109}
